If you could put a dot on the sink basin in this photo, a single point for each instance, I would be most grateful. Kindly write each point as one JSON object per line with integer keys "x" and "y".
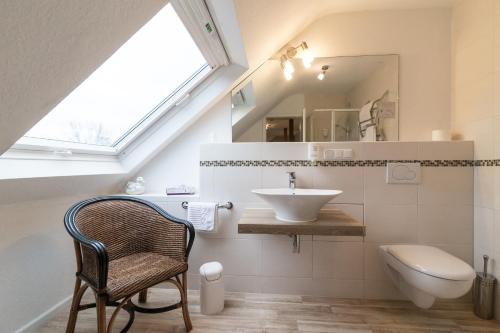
{"x": 297, "y": 205}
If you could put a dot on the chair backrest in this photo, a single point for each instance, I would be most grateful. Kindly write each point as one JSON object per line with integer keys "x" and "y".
{"x": 128, "y": 226}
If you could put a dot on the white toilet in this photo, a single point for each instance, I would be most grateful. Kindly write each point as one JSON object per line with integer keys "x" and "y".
{"x": 424, "y": 273}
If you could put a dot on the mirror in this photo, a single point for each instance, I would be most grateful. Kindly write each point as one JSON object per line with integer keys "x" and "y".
{"x": 337, "y": 99}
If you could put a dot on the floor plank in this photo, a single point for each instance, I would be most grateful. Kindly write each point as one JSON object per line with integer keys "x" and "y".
{"x": 265, "y": 313}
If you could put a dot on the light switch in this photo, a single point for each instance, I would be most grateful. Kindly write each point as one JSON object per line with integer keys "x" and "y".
{"x": 337, "y": 154}
{"x": 403, "y": 173}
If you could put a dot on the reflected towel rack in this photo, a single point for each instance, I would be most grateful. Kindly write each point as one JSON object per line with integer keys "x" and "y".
{"x": 227, "y": 205}
{"x": 374, "y": 116}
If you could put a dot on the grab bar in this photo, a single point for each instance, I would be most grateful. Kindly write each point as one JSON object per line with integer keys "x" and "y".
{"x": 227, "y": 205}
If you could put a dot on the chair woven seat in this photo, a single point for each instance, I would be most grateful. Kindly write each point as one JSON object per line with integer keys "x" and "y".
{"x": 124, "y": 246}
{"x": 133, "y": 273}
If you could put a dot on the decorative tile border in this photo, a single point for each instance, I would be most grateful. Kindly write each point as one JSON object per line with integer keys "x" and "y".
{"x": 479, "y": 163}
{"x": 344, "y": 163}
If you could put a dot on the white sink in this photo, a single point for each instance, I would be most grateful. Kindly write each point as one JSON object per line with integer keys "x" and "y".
{"x": 296, "y": 205}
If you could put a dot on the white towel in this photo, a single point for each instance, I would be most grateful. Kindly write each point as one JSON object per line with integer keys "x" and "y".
{"x": 364, "y": 113}
{"x": 202, "y": 215}
{"x": 370, "y": 133}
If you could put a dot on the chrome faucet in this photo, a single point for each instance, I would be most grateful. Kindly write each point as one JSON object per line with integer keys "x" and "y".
{"x": 291, "y": 180}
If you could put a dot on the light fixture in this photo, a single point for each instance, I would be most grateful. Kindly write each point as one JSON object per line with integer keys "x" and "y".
{"x": 322, "y": 74}
{"x": 307, "y": 56}
{"x": 291, "y": 52}
{"x": 287, "y": 67}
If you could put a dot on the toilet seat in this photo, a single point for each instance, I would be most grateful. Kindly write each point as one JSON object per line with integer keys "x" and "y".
{"x": 432, "y": 261}
{"x": 424, "y": 273}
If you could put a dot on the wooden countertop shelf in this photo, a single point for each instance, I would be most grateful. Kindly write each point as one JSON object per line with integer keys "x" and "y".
{"x": 331, "y": 222}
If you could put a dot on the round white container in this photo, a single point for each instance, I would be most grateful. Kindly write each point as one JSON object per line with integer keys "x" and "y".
{"x": 211, "y": 288}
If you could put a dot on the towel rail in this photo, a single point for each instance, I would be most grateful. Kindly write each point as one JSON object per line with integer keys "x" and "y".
{"x": 374, "y": 117}
{"x": 227, "y": 205}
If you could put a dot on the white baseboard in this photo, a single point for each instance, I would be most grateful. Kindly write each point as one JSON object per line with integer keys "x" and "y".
{"x": 44, "y": 317}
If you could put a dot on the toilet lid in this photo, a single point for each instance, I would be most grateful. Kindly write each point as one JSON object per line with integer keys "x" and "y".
{"x": 432, "y": 261}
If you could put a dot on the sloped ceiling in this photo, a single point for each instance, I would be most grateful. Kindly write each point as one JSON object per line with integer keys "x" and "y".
{"x": 48, "y": 47}
{"x": 267, "y": 25}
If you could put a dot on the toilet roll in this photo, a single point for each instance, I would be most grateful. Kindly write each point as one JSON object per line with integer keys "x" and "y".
{"x": 441, "y": 135}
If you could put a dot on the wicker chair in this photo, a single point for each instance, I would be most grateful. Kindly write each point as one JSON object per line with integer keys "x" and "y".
{"x": 123, "y": 247}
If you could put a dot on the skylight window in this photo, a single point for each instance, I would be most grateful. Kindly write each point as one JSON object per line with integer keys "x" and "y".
{"x": 149, "y": 70}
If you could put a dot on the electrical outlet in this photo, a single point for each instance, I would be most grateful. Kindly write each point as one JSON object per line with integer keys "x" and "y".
{"x": 337, "y": 154}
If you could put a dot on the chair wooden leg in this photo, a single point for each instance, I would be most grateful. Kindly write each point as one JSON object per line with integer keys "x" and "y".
{"x": 73, "y": 312}
{"x": 143, "y": 296}
{"x": 184, "y": 300}
{"x": 115, "y": 313}
{"x": 77, "y": 297}
{"x": 101, "y": 313}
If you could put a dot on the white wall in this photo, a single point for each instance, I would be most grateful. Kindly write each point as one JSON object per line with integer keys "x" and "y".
{"x": 420, "y": 37}
{"x": 438, "y": 211}
{"x": 290, "y": 106}
{"x": 36, "y": 253}
{"x": 253, "y": 134}
{"x": 319, "y": 100}
{"x": 38, "y": 264}
{"x": 476, "y": 115}
{"x": 373, "y": 86}
{"x": 179, "y": 162}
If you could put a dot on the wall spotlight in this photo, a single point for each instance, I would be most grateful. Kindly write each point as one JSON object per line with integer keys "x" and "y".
{"x": 322, "y": 74}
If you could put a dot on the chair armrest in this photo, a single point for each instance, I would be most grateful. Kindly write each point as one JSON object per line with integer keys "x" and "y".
{"x": 189, "y": 226}
{"x": 92, "y": 257}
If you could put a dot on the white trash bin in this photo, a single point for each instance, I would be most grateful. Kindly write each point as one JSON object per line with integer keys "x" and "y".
{"x": 212, "y": 288}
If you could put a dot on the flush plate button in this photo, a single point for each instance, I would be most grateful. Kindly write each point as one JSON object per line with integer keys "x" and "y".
{"x": 403, "y": 173}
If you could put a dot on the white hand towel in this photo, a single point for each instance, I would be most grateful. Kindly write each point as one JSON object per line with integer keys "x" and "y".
{"x": 364, "y": 113}
{"x": 370, "y": 134}
{"x": 202, "y": 215}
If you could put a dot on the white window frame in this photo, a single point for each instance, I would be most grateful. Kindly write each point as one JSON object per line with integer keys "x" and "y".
{"x": 176, "y": 98}
{"x": 195, "y": 16}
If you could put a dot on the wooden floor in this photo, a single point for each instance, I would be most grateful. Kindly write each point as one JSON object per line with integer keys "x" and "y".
{"x": 286, "y": 313}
